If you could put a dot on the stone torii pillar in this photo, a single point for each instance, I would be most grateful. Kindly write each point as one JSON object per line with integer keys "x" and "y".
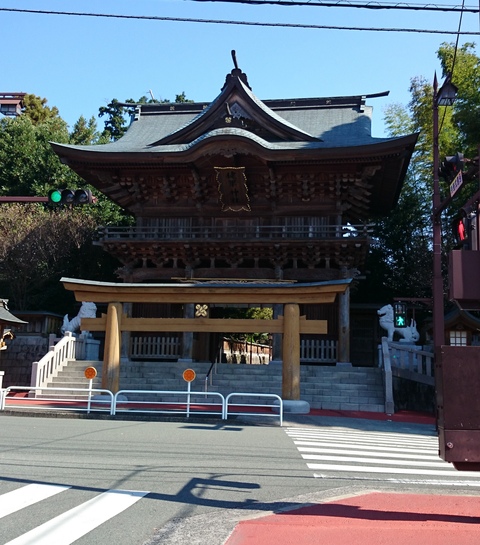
{"x": 111, "y": 357}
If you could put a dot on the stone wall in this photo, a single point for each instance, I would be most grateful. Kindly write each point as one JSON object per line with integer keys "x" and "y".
{"x": 17, "y": 360}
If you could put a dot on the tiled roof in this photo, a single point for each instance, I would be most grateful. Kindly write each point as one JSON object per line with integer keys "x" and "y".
{"x": 326, "y": 123}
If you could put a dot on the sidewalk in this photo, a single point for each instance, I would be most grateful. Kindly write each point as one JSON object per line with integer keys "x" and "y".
{"x": 369, "y": 519}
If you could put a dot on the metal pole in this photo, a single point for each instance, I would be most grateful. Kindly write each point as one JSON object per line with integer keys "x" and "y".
{"x": 438, "y": 306}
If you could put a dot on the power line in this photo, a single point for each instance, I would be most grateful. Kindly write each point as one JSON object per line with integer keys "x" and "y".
{"x": 244, "y": 23}
{"x": 356, "y": 4}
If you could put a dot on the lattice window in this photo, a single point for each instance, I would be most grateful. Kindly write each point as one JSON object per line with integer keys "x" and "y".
{"x": 458, "y": 338}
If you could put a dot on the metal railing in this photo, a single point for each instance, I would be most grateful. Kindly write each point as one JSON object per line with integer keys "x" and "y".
{"x": 235, "y": 232}
{"x": 114, "y": 403}
{"x": 187, "y": 407}
{"x": 261, "y": 413}
{"x": 66, "y": 403}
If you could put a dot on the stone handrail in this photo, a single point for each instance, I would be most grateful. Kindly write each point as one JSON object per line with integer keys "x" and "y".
{"x": 412, "y": 362}
{"x": 47, "y": 368}
{"x": 387, "y": 377}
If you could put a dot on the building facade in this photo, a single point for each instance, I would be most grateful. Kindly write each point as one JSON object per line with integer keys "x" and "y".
{"x": 245, "y": 190}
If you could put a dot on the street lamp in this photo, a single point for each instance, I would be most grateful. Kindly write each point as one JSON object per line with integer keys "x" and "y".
{"x": 445, "y": 96}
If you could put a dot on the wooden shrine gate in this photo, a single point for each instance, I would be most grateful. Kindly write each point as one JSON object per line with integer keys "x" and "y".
{"x": 290, "y": 325}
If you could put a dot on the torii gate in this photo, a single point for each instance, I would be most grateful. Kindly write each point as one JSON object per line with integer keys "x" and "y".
{"x": 290, "y": 325}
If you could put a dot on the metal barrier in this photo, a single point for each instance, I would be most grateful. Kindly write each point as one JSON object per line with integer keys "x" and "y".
{"x": 244, "y": 394}
{"x": 178, "y": 407}
{"x": 114, "y": 404}
{"x": 90, "y": 404}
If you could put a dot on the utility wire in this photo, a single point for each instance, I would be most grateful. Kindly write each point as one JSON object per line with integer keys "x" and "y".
{"x": 355, "y": 4}
{"x": 244, "y": 23}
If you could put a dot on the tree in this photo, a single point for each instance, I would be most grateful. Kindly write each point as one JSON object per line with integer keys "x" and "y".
{"x": 36, "y": 109}
{"x": 119, "y": 113}
{"x": 29, "y": 165}
{"x": 400, "y": 261}
{"x": 84, "y": 132}
{"x": 41, "y": 248}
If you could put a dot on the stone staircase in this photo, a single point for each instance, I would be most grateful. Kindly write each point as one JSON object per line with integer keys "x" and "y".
{"x": 330, "y": 387}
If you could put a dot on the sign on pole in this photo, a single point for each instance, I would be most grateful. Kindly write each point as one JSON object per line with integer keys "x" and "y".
{"x": 456, "y": 184}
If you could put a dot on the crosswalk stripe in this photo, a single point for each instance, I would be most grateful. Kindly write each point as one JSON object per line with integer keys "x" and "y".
{"x": 367, "y": 451}
{"x": 27, "y": 495}
{"x": 75, "y": 523}
{"x": 335, "y": 452}
{"x": 374, "y": 469}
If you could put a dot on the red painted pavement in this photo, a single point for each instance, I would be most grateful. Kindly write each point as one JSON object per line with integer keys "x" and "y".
{"x": 369, "y": 519}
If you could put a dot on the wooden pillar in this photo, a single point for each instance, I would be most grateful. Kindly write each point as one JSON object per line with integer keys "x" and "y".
{"x": 343, "y": 355}
{"x": 126, "y": 335}
{"x": 277, "y": 337}
{"x": 187, "y": 336}
{"x": 111, "y": 357}
{"x": 291, "y": 352}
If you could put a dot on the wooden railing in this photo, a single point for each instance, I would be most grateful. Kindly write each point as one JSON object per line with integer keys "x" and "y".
{"x": 318, "y": 351}
{"x": 155, "y": 347}
{"x": 165, "y": 347}
{"x": 235, "y": 232}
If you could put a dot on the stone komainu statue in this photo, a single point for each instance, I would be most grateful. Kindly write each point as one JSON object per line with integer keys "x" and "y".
{"x": 410, "y": 334}
{"x": 87, "y": 310}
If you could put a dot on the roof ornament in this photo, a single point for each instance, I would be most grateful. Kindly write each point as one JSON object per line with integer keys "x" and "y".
{"x": 234, "y": 58}
{"x": 236, "y": 72}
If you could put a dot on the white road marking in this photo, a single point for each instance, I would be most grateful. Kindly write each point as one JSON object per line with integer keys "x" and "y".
{"x": 13, "y": 501}
{"x": 342, "y": 453}
{"x": 73, "y": 524}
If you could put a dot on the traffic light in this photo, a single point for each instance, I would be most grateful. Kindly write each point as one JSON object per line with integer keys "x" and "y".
{"x": 461, "y": 229}
{"x": 70, "y": 196}
{"x": 451, "y": 167}
{"x": 400, "y": 314}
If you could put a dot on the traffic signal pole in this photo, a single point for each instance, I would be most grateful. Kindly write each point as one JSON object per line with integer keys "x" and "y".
{"x": 23, "y": 199}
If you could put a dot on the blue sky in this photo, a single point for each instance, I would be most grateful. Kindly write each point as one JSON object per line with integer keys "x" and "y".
{"x": 81, "y": 63}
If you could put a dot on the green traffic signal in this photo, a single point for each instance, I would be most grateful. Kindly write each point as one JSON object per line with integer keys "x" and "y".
{"x": 70, "y": 196}
{"x": 55, "y": 196}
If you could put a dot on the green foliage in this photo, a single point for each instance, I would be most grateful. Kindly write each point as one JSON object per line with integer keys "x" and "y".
{"x": 116, "y": 123}
{"x": 119, "y": 114}
{"x": 41, "y": 248}
{"x": 466, "y": 110}
{"x": 84, "y": 132}
{"x": 258, "y": 313}
{"x": 29, "y": 166}
{"x": 36, "y": 109}
{"x": 400, "y": 261}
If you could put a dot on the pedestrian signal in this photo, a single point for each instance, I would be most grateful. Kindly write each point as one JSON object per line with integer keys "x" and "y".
{"x": 400, "y": 314}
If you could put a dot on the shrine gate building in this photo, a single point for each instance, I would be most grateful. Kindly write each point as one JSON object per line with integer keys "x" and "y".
{"x": 245, "y": 190}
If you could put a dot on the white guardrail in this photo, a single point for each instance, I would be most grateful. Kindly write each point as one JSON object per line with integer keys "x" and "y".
{"x": 97, "y": 400}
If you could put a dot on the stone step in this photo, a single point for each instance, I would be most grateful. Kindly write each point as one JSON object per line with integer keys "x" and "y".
{"x": 329, "y": 387}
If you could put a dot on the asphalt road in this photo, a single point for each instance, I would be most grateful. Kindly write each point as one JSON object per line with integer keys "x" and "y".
{"x": 161, "y": 481}
{"x": 187, "y": 469}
